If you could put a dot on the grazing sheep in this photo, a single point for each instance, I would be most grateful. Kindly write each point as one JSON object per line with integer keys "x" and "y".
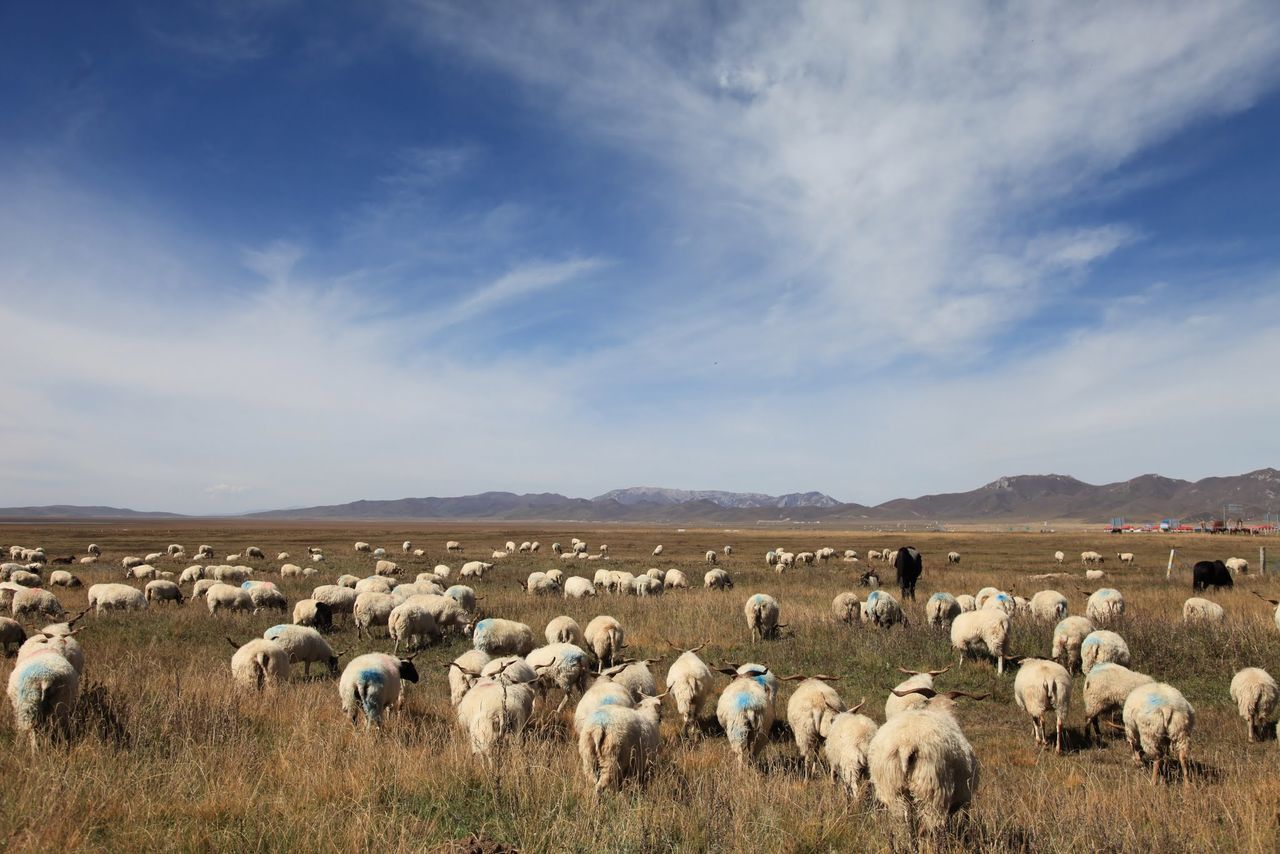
{"x": 539, "y": 584}
{"x": 474, "y": 569}
{"x": 712, "y": 557}
{"x": 845, "y": 607}
{"x": 1238, "y": 565}
{"x": 985, "y": 594}
{"x": 94, "y": 549}
{"x": 309, "y": 612}
{"x": 1059, "y": 556}
{"x": 953, "y": 557}
{"x": 1275, "y": 602}
{"x": 233, "y": 574}
{"x": 1049, "y": 606}
{"x": 374, "y": 584}
{"x": 419, "y": 552}
{"x": 351, "y": 581}
{"x": 1040, "y": 687}
{"x": 191, "y": 575}
{"x": 1068, "y": 636}
{"x": 745, "y": 708}
{"x": 1254, "y": 692}
{"x": 728, "y": 550}
{"x": 657, "y": 550}
{"x": 62, "y": 578}
{"x": 658, "y": 574}
{"x": 923, "y": 768}
{"x": 717, "y": 579}
{"x": 162, "y": 591}
{"x": 453, "y": 546}
{"x": 882, "y": 610}
{"x": 810, "y": 712}
{"x": 941, "y": 609}
{"x": 25, "y": 578}
{"x": 1127, "y": 558}
{"x": 967, "y": 603}
{"x": 1159, "y": 720}
{"x": 1197, "y": 610}
{"x": 43, "y": 689}
{"x": 675, "y": 579}
{"x": 259, "y": 664}
{"x": 372, "y": 683}
{"x": 1102, "y": 645}
{"x": 341, "y": 600}
{"x": 386, "y": 568}
{"x": 201, "y": 587}
{"x": 154, "y": 557}
{"x": 464, "y": 672}
{"x": 605, "y": 639}
{"x": 463, "y": 595}
{"x": 617, "y": 742}
{"x": 636, "y": 677}
{"x": 363, "y": 547}
{"x": 411, "y": 623}
{"x": 504, "y": 637}
{"x": 89, "y": 559}
{"x": 1106, "y": 687}
{"x": 848, "y": 746}
{"x": 372, "y": 609}
{"x": 985, "y": 630}
{"x": 579, "y": 588}
{"x": 255, "y": 553}
{"x": 688, "y": 682}
{"x": 647, "y": 586}
{"x": 902, "y": 697}
{"x": 564, "y": 630}
{"x": 494, "y": 710}
{"x": 282, "y": 556}
{"x": 224, "y": 597}
{"x": 762, "y": 611}
{"x": 11, "y": 632}
{"x": 563, "y": 666}
{"x": 1094, "y": 574}
{"x": 1105, "y": 604}
{"x": 35, "y": 602}
{"x": 290, "y": 570}
{"x": 304, "y": 645}
{"x": 1091, "y": 557}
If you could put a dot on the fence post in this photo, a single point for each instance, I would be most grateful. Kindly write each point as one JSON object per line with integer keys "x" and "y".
{"x": 1169, "y": 570}
{"x": 1262, "y": 560}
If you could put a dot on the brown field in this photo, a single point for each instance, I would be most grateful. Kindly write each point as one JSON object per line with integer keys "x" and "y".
{"x": 167, "y": 756}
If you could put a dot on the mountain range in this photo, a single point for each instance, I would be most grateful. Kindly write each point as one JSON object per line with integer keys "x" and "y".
{"x": 1008, "y": 499}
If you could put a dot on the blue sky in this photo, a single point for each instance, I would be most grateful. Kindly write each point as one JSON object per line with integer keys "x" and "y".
{"x": 284, "y": 253}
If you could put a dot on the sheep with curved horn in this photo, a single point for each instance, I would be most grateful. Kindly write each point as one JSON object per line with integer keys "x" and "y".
{"x": 847, "y": 746}
{"x": 811, "y": 711}
{"x": 898, "y": 703}
{"x": 689, "y": 683}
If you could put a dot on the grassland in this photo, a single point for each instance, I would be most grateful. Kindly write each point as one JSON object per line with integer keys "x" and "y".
{"x": 168, "y": 756}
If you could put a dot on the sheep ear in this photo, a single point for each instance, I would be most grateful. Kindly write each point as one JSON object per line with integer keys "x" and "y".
{"x": 927, "y": 693}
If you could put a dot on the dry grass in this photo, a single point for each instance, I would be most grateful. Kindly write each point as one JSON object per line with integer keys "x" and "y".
{"x": 167, "y": 756}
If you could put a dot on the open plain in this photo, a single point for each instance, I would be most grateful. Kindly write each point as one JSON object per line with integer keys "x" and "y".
{"x": 166, "y": 754}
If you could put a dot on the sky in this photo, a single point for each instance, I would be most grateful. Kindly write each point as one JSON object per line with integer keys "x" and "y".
{"x": 282, "y": 253}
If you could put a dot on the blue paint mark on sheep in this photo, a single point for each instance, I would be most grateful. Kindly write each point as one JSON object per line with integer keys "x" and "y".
{"x": 610, "y": 700}
{"x": 743, "y": 701}
{"x": 757, "y": 599}
{"x": 600, "y": 718}
{"x": 275, "y": 631}
{"x": 372, "y": 676}
{"x": 873, "y": 596}
{"x": 1091, "y": 640}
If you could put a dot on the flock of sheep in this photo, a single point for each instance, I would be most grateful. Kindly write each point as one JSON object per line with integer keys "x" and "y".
{"x": 919, "y": 762}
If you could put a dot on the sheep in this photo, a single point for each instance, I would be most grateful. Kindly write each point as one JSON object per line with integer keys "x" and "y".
{"x": 941, "y": 609}
{"x": 923, "y": 768}
{"x": 579, "y": 547}
{"x": 674, "y": 579}
{"x": 309, "y": 612}
{"x": 406, "y": 547}
{"x": 953, "y": 557}
{"x": 282, "y": 556}
{"x": 810, "y": 712}
{"x": 453, "y": 546}
{"x": 474, "y": 569}
{"x": 205, "y": 552}
{"x": 1040, "y": 687}
{"x": 233, "y": 574}
{"x": 534, "y": 546}
{"x": 1197, "y": 610}
{"x": 1102, "y": 645}
{"x": 372, "y": 609}
{"x": 967, "y": 603}
{"x": 882, "y": 610}
{"x": 351, "y": 581}
{"x": 498, "y": 555}
{"x": 728, "y": 550}
{"x": 373, "y": 584}
{"x": 636, "y": 677}
{"x": 712, "y": 557}
{"x": 62, "y": 578}
{"x": 845, "y": 607}
{"x": 221, "y": 597}
{"x": 605, "y": 639}
{"x": 1059, "y": 556}
{"x": 847, "y": 746}
{"x": 556, "y": 574}
{"x": 1068, "y": 636}
{"x": 411, "y": 623}
{"x": 560, "y": 665}
{"x": 94, "y": 549}
{"x": 314, "y": 559}
{"x": 504, "y": 637}
{"x": 493, "y": 710}
{"x": 621, "y": 582}
{"x": 647, "y": 586}
{"x": 290, "y": 570}
{"x": 1238, "y": 565}
{"x": 1157, "y": 720}
{"x": 233, "y": 557}
{"x": 446, "y": 610}
{"x": 255, "y": 553}
{"x": 386, "y": 567}
{"x": 88, "y": 560}
{"x": 1105, "y": 604}
{"x": 786, "y": 560}
{"x": 201, "y": 587}
{"x": 43, "y": 689}
{"x": 688, "y": 681}
{"x": 372, "y": 683}
{"x": 162, "y": 591}
{"x": 1091, "y": 557}
{"x": 33, "y": 601}
{"x": 438, "y": 573}
{"x": 539, "y": 584}
{"x": 191, "y": 575}
{"x": 745, "y": 708}
{"x": 1049, "y": 606}
{"x": 419, "y": 552}
{"x": 363, "y": 547}
{"x": 618, "y": 742}
{"x": 1254, "y": 692}
{"x": 464, "y": 671}
{"x": 1106, "y": 687}
{"x": 259, "y": 664}
{"x": 564, "y": 630}
{"x": 902, "y": 697}
{"x": 986, "y": 629}
{"x": 603, "y": 692}
{"x": 1127, "y": 558}
{"x": 154, "y": 557}
{"x": 578, "y": 588}
{"x": 341, "y": 600}
{"x": 11, "y": 632}
{"x": 761, "y": 611}
{"x": 463, "y": 595}
{"x": 1275, "y": 602}
{"x": 304, "y": 645}
{"x": 657, "y": 550}
{"x": 511, "y": 546}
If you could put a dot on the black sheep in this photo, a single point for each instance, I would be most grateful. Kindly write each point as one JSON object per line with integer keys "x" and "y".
{"x": 909, "y": 565}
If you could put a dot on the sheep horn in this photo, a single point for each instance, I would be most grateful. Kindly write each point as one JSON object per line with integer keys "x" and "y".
{"x": 927, "y": 693}
{"x": 1264, "y": 598}
{"x": 953, "y": 694}
{"x": 74, "y": 619}
{"x": 1113, "y": 724}
{"x": 861, "y": 703}
{"x": 479, "y": 598}
{"x": 939, "y": 672}
{"x": 727, "y": 671}
{"x": 234, "y": 645}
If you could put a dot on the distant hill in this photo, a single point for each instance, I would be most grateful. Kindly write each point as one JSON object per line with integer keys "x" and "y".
{"x": 1020, "y": 498}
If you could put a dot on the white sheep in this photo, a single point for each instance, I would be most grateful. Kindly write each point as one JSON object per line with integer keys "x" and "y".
{"x": 728, "y": 550}
{"x": 411, "y": 623}
{"x": 504, "y": 637}
{"x": 579, "y": 588}
{"x": 647, "y": 586}
{"x": 474, "y": 569}
{"x": 674, "y": 579}
{"x": 941, "y": 609}
{"x": 845, "y": 607}
{"x": 386, "y": 568}
{"x": 1049, "y": 606}
{"x": 94, "y": 550}
{"x": 1198, "y": 610}
{"x": 162, "y": 591}
{"x": 1103, "y": 645}
{"x": 1095, "y": 574}
{"x": 564, "y": 629}
{"x": 967, "y": 603}
{"x": 1127, "y": 558}
{"x": 1237, "y": 565}
{"x": 1091, "y": 557}
{"x": 494, "y": 710}
{"x": 688, "y": 682}
{"x": 419, "y": 552}
{"x": 636, "y": 677}
{"x": 463, "y": 595}
{"x": 447, "y": 611}
{"x": 191, "y": 575}
{"x": 811, "y": 711}
{"x": 224, "y": 597}
{"x": 1105, "y": 604}
{"x": 372, "y": 683}
{"x": 881, "y": 609}
{"x": 617, "y": 742}
{"x": 745, "y": 709}
{"x": 201, "y": 587}
{"x": 309, "y": 612}
{"x": 564, "y": 666}
{"x": 1059, "y": 556}
{"x": 985, "y": 630}
{"x": 1106, "y": 687}
{"x": 1068, "y": 636}
{"x": 1254, "y": 692}
{"x": 464, "y": 672}
{"x": 453, "y": 546}
{"x": 953, "y": 557}
{"x": 62, "y": 578}
{"x": 43, "y": 689}
{"x": 1042, "y": 686}
{"x": 290, "y": 570}
{"x": 363, "y": 547}
{"x": 282, "y": 556}
{"x": 717, "y": 579}
{"x": 1159, "y": 720}
{"x": 848, "y": 745}
{"x": 372, "y": 609}
{"x": 11, "y": 632}
{"x": 35, "y": 602}
{"x": 657, "y": 550}
{"x": 116, "y": 597}
{"x": 259, "y": 664}
{"x": 341, "y": 600}
{"x": 712, "y": 557}
{"x": 761, "y": 611}
{"x": 605, "y": 639}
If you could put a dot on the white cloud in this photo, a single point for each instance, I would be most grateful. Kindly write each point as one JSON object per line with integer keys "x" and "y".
{"x": 220, "y": 489}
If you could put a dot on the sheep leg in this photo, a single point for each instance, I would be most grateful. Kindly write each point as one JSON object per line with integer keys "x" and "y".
{"x": 1157, "y": 768}
{"x": 1058, "y": 749}
{"x": 1182, "y": 766}
{"x": 1000, "y": 665}
{"x": 1250, "y": 731}
{"x": 396, "y": 650}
